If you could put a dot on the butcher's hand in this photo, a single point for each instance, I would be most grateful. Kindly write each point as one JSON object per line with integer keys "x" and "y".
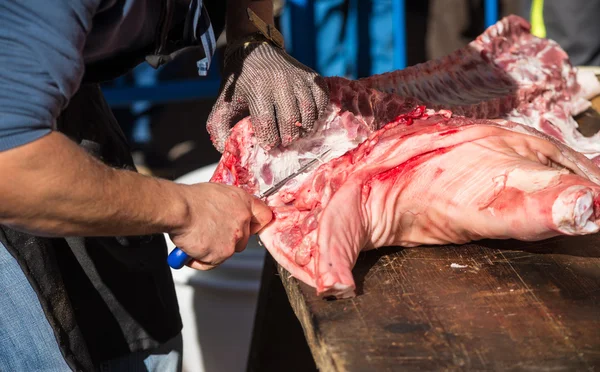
{"x": 283, "y": 97}
{"x": 220, "y": 221}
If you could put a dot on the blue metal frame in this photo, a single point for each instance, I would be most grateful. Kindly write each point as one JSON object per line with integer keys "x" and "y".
{"x": 490, "y": 9}
{"x": 298, "y": 26}
{"x": 399, "y": 34}
{"x": 298, "y": 29}
{"x": 163, "y": 92}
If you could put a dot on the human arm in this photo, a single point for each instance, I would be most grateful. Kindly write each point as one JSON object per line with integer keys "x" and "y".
{"x": 51, "y": 187}
{"x": 283, "y": 97}
{"x": 57, "y": 189}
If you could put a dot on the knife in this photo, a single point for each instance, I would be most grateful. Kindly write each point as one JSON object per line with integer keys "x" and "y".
{"x": 178, "y": 258}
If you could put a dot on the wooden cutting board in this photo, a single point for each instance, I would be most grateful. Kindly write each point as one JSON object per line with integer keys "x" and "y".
{"x": 490, "y": 306}
{"x": 487, "y": 306}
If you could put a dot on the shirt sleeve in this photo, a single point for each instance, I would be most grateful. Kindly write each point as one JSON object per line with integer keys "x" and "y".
{"x": 41, "y": 61}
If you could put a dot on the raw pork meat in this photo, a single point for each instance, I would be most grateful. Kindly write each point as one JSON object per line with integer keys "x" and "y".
{"x": 505, "y": 73}
{"x": 403, "y": 175}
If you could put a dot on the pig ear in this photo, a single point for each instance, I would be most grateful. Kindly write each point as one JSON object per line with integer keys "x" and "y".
{"x": 341, "y": 235}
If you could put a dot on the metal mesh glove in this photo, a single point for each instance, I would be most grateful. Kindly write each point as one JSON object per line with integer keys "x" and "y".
{"x": 283, "y": 97}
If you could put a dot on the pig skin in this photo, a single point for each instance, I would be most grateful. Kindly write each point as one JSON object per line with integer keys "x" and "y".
{"x": 425, "y": 178}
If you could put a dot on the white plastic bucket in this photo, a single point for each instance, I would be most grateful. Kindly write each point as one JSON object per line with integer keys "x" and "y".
{"x": 218, "y": 306}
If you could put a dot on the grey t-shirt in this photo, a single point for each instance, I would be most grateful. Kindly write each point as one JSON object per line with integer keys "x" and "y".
{"x": 44, "y": 47}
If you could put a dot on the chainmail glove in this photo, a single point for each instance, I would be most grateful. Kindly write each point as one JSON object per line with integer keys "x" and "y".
{"x": 283, "y": 97}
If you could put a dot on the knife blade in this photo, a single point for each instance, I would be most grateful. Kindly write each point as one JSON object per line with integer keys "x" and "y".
{"x": 178, "y": 258}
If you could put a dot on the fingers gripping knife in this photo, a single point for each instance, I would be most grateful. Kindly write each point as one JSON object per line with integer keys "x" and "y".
{"x": 178, "y": 258}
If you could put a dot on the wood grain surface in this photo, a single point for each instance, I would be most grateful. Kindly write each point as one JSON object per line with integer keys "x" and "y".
{"x": 488, "y": 306}
{"x": 496, "y": 305}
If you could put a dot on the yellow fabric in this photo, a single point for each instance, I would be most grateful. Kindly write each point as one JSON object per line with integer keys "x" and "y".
{"x": 537, "y": 18}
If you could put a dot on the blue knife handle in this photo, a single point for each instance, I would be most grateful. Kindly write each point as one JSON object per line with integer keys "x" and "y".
{"x": 178, "y": 258}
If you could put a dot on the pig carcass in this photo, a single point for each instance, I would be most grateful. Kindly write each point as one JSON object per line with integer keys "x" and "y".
{"x": 399, "y": 174}
{"x": 506, "y": 73}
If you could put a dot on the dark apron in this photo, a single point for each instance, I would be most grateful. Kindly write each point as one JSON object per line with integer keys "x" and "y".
{"x": 107, "y": 297}
{"x": 104, "y": 297}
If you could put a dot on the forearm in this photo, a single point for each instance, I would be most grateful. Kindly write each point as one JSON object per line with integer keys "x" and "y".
{"x": 51, "y": 187}
{"x": 238, "y": 24}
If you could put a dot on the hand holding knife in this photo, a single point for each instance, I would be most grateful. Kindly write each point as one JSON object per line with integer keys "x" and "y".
{"x": 178, "y": 258}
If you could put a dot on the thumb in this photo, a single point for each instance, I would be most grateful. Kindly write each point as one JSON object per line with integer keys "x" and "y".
{"x": 261, "y": 215}
{"x": 223, "y": 116}
{"x": 198, "y": 265}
